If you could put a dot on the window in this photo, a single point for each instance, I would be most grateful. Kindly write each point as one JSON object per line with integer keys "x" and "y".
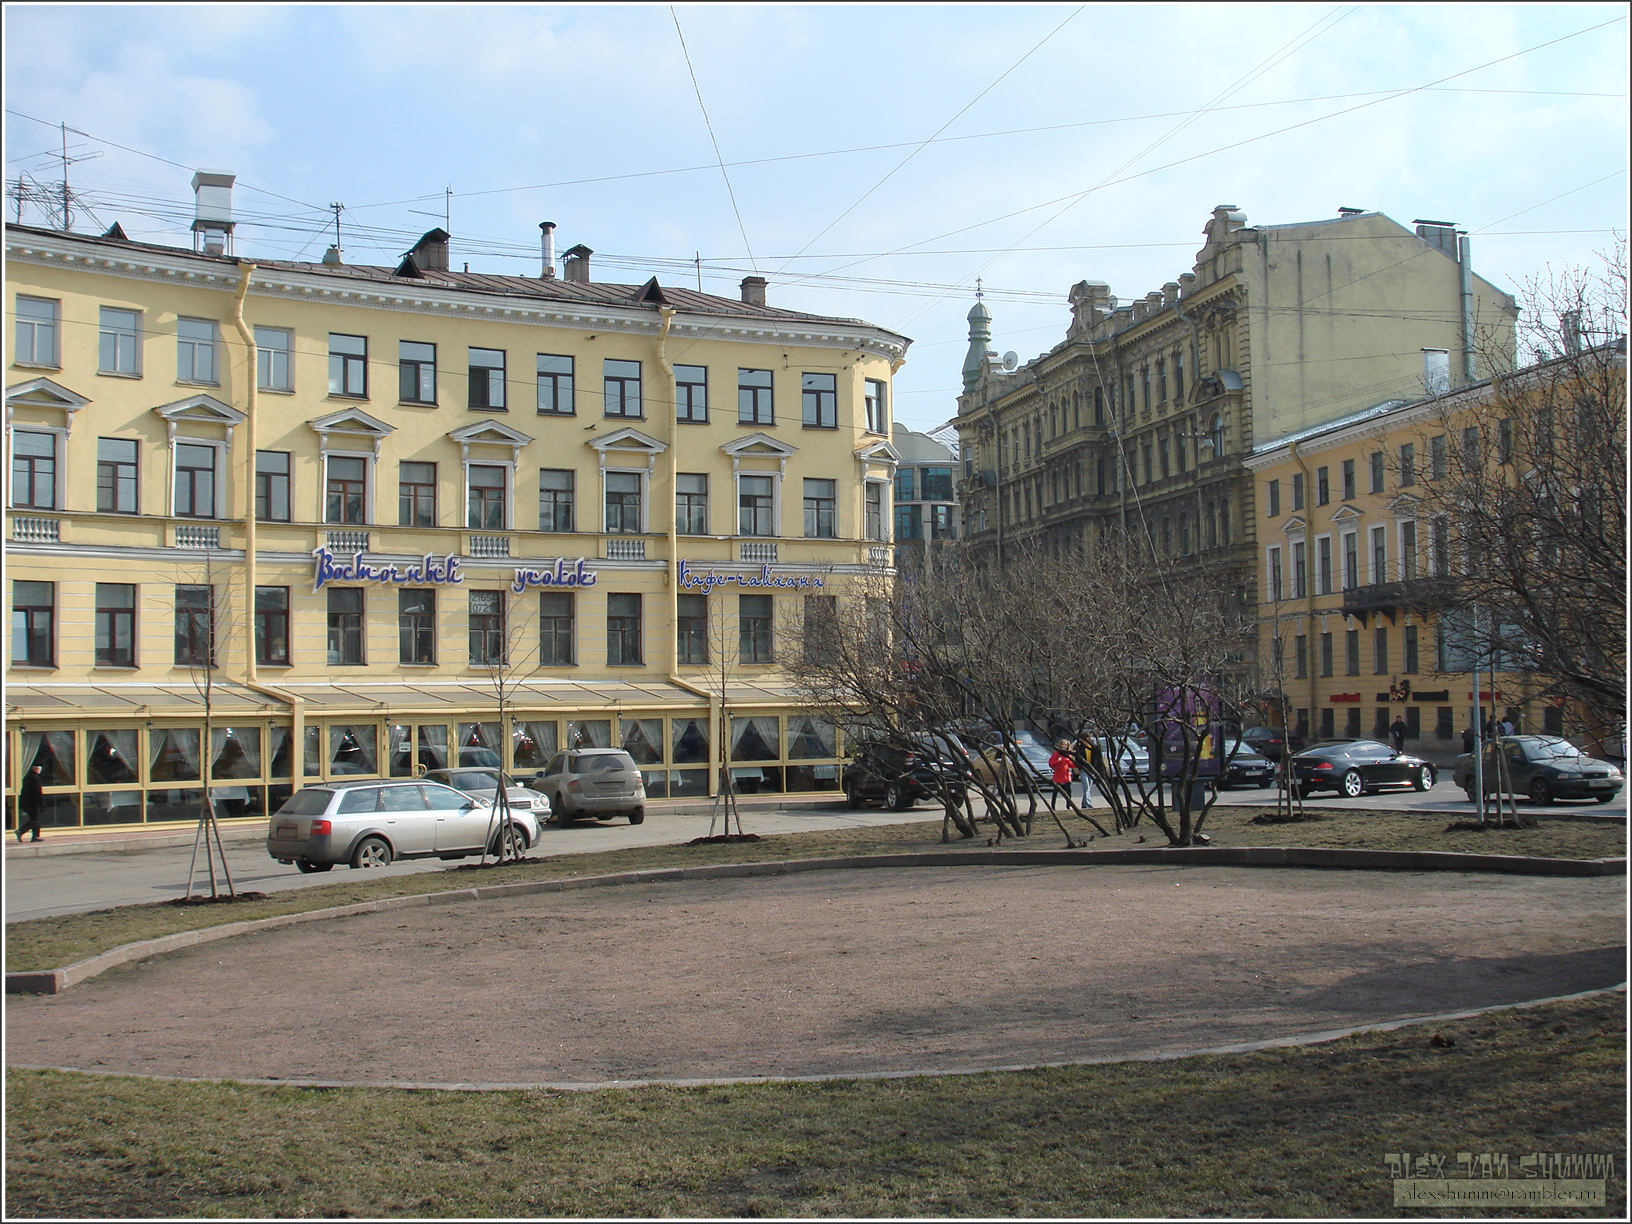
{"x": 119, "y": 346}
{"x": 821, "y": 627}
{"x": 1328, "y": 719}
{"x": 1150, "y": 463}
{"x": 1161, "y": 380}
{"x": 487, "y": 644}
{"x": 905, "y": 484}
{"x": 1470, "y": 448}
{"x": 1439, "y": 544}
{"x": 691, "y": 503}
{"x": 1144, "y": 385}
{"x": 1376, "y": 461}
{"x": 116, "y": 475}
{"x": 555, "y": 499}
{"x": 1323, "y": 487}
{"x": 487, "y": 379}
{"x": 195, "y": 350}
{"x": 755, "y": 506}
{"x": 416, "y": 626}
{"x": 1323, "y": 565}
{"x": 33, "y": 470}
{"x": 1379, "y": 651}
{"x": 1408, "y": 551}
{"x": 272, "y": 625}
{"x": 272, "y": 490}
{"x": 195, "y": 626}
{"x": 821, "y": 509}
{"x": 1408, "y": 464}
{"x": 33, "y": 621}
{"x": 1436, "y": 457}
{"x": 1178, "y": 377}
{"x": 1348, "y": 480}
{"x": 691, "y": 394}
{"x": 1325, "y": 654}
{"x": 1297, "y": 491}
{"x": 1099, "y": 405}
{"x": 622, "y": 388}
{"x": 623, "y": 648}
{"x": 348, "y": 365}
{"x": 878, "y": 418}
{"x": 875, "y": 509}
{"x": 416, "y": 372}
{"x": 557, "y": 629}
{"x": 555, "y": 384}
{"x": 692, "y": 640}
{"x": 115, "y": 624}
{"x": 1274, "y": 499}
{"x": 36, "y": 331}
{"x": 1273, "y": 587}
{"x": 1300, "y": 571}
{"x": 416, "y": 494}
{"x": 754, "y": 403}
{"x": 1300, "y": 652}
{"x": 345, "y": 626}
{"x": 936, "y": 484}
{"x": 623, "y": 503}
{"x": 754, "y": 625}
{"x": 1161, "y": 454}
{"x": 346, "y": 491}
{"x": 1379, "y": 554}
{"x": 1409, "y": 665}
{"x": 909, "y": 521}
{"x": 195, "y": 480}
{"x": 485, "y": 504}
{"x": 1504, "y": 441}
{"x": 274, "y": 348}
{"x": 1217, "y": 432}
{"x": 1351, "y": 559}
{"x": 819, "y": 397}
{"x": 1351, "y": 654}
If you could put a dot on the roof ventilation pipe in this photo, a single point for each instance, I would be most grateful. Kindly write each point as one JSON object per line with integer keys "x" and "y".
{"x": 577, "y": 264}
{"x": 547, "y": 238}
{"x": 212, "y": 212}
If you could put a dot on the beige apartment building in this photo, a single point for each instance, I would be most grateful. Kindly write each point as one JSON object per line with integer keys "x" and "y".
{"x": 353, "y": 499}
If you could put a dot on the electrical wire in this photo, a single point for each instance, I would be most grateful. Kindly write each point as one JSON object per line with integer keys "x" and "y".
{"x": 713, "y": 140}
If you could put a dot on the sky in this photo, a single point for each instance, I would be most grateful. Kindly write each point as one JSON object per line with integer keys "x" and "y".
{"x": 871, "y": 161}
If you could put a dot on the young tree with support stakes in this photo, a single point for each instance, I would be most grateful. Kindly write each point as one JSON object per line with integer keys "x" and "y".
{"x": 200, "y": 622}
{"x": 504, "y": 646}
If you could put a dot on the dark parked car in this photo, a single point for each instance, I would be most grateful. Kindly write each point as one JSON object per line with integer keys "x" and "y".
{"x": 1245, "y": 767}
{"x": 1272, "y": 742}
{"x": 896, "y": 777}
{"x": 1543, "y": 767}
{"x": 1354, "y": 767}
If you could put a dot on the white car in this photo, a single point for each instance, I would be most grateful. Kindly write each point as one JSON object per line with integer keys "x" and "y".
{"x": 482, "y": 784}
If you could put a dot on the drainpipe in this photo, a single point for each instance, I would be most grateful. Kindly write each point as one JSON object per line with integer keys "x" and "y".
{"x": 671, "y": 466}
{"x": 1309, "y": 588}
{"x": 297, "y": 707}
{"x": 1466, "y": 272}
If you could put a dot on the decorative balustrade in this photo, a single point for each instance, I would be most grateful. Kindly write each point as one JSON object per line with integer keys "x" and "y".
{"x": 347, "y": 541}
{"x": 757, "y": 552}
{"x": 878, "y": 555}
{"x": 198, "y": 535}
{"x": 626, "y": 550}
{"x": 489, "y": 546}
{"x": 36, "y": 530}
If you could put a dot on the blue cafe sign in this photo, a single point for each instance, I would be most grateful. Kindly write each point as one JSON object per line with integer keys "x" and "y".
{"x": 431, "y": 570}
{"x": 706, "y": 580}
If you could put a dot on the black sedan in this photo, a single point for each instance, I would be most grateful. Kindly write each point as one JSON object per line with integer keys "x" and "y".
{"x": 1245, "y": 767}
{"x": 1355, "y": 767}
{"x": 1272, "y": 742}
{"x": 1544, "y": 767}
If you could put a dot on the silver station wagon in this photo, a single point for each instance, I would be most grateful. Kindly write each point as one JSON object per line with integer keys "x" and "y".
{"x": 371, "y": 822}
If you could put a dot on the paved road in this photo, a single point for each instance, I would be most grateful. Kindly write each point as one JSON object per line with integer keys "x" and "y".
{"x": 92, "y": 879}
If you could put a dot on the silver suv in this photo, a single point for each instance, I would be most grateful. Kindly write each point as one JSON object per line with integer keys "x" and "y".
{"x": 371, "y": 822}
{"x": 598, "y": 782}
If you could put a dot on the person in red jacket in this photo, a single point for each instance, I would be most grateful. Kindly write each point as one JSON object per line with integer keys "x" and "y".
{"x": 1060, "y": 764}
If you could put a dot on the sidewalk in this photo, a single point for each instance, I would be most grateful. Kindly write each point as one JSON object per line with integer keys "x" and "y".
{"x": 103, "y": 841}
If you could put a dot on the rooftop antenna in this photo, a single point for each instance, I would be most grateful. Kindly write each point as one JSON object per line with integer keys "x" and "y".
{"x": 447, "y": 209}
{"x": 67, "y": 193}
{"x": 338, "y": 209}
{"x": 697, "y": 257}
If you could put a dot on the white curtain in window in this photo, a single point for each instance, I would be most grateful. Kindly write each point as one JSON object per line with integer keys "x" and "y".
{"x": 754, "y": 739}
{"x": 589, "y": 733}
{"x": 225, "y": 761}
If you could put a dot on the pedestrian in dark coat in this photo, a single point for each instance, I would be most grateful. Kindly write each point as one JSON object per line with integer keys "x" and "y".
{"x": 30, "y": 800}
{"x": 1398, "y": 730}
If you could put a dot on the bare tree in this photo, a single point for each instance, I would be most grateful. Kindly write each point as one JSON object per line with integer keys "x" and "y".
{"x": 203, "y": 627}
{"x": 505, "y": 645}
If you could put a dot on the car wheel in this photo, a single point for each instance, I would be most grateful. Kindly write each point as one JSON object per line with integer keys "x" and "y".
{"x": 1473, "y": 795}
{"x": 1602, "y": 798}
{"x": 1353, "y": 784}
{"x": 508, "y": 843}
{"x": 852, "y": 794}
{"x": 1263, "y": 782}
{"x": 371, "y": 852}
{"x": 1424, "y": 779}
{"x": 308, "y": 867}
{"x": 637, "y": 816}
{"x": 896, "y": 798}
{"x": 1541, "y": 791}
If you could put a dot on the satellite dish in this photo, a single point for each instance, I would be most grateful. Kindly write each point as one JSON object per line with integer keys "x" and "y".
{"x": 1010, "y": 360}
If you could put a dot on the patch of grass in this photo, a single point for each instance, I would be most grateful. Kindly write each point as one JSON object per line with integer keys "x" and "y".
{"x": 50, "y": 943}
{"x": 1297, "y": 1132}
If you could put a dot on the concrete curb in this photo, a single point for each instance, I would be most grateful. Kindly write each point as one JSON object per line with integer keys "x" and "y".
{"x": 55, "y": 981}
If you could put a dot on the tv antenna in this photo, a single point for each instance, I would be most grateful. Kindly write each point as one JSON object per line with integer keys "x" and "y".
{"x": 338, "y": 209}
{"x": 447, "y": 210}
{"x": 65, "y": 193}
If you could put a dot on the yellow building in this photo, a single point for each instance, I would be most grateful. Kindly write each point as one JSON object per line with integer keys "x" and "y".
{"x": 1357, "y": 545}
{"x": 378, "y": 493}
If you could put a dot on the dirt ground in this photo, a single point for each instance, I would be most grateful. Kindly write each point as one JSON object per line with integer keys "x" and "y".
{"x": 833, "y": 972}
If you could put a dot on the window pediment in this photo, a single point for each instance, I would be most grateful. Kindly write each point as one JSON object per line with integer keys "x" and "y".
{"x": 45, "y": 393}
{"x": 352, "y": 421}
{"x": 1345, "y": 514}
{"x": 629, "y": 439}
{"x": 758, "y": 446}
{"x": 1295, "y": 525}
{"x": 494, "y": 433}
{"x": 200, "y": 409}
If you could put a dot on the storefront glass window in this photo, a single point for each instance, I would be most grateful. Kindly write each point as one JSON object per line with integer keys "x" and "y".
{"x": 589, "y": 733}
{"x": 113, "y": 807}
{"x": 353, "y": 749}
{"x": 112, "y": 759}
{"x": 643, "y": 740}
{"x": 481, "y": 746}
{"x": 754, "y": 739}
{"x": 179, "y": 804}
{"x": 312, "y": 760}
{"x": 532, "y": 745}
{"x": 235, "y": 752}
{"x": 690, "y": 742}
{"x": 172, "y": 755}
{"x": 810, "y": 737}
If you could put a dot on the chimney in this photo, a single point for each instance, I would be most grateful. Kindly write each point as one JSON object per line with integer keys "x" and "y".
{"x": 547, "y": 237}
{"x": 1438, "y": 234}
{"x": 1570, "y": 324}
{"x": 331, "y": 257}
{"x": 1345, "y": 211}
{"x": 577, "y": 261}
{"x": 431, "y": 251}
{"x": 1436, "y": 371}
{"x": 212, "y": 213}
{"x": 753, "y": 290}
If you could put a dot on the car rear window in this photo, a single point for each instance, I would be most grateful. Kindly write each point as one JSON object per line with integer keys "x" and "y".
{"x": 309, "y": 802}
{"x": 600, "y": 763}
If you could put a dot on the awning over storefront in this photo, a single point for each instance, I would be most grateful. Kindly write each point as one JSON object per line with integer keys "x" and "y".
{"x": 133, "y": 700}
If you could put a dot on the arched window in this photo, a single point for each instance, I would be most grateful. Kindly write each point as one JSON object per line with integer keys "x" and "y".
{"x": 1184, "y": 535}
{"x": 1167, "y": 536}
{"x": 1218, "y": 435}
